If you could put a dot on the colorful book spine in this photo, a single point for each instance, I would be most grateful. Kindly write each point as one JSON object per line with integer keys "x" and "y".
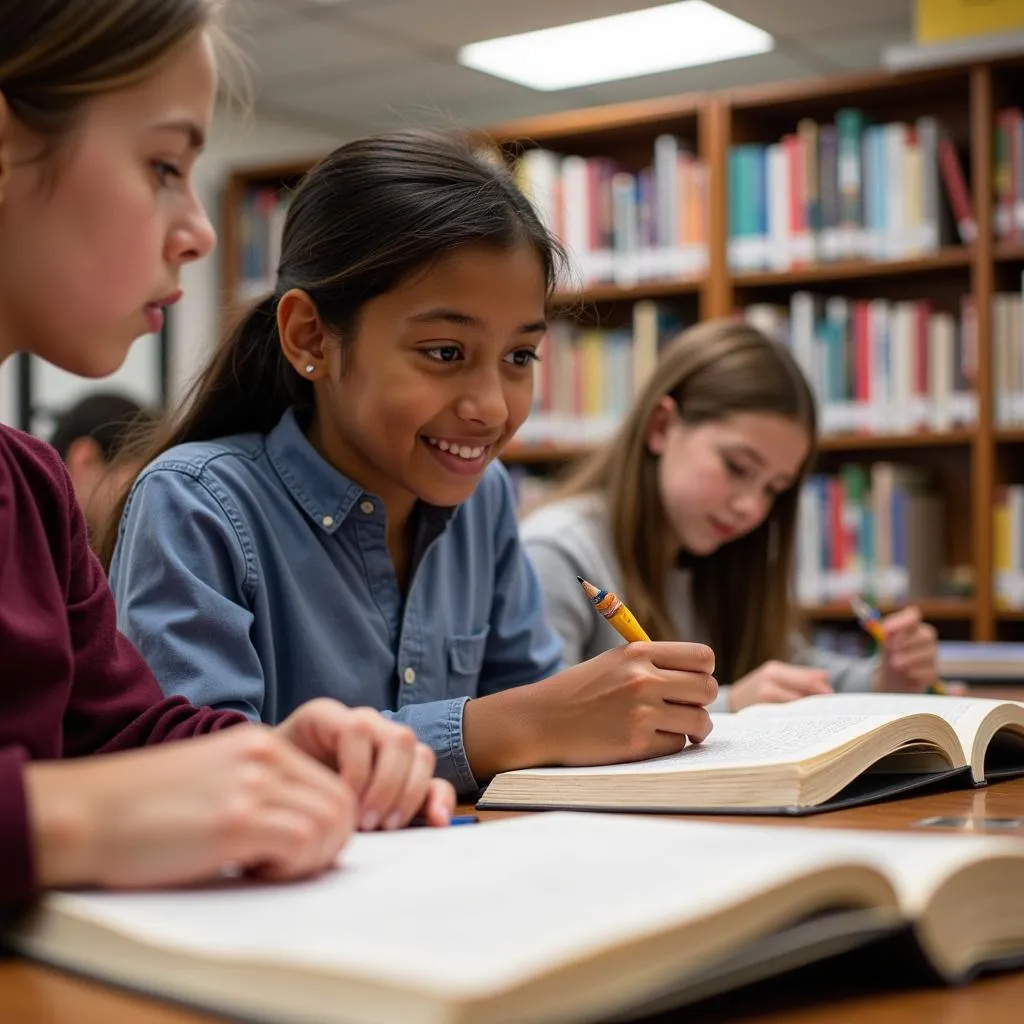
{"x": 869, "y": 530}
{"x": 878, "y": 366}
{"x": 850, "y": 189}
{"x": 623, "y": 225}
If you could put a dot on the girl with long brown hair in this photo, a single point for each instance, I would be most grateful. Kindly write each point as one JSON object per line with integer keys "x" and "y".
{"x": 103, "y": 107}
{"x": 690, "y": 515}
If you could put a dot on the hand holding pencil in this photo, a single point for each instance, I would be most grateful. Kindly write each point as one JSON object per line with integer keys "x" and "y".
{"x": 908, "y": 646}
{"x": 643, "y": 699}
{"x": 638, "y": 700}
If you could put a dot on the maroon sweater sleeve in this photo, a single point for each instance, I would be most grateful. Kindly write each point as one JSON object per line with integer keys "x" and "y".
{"x": 116, "y": 703}
{"x": 70, "y": 683}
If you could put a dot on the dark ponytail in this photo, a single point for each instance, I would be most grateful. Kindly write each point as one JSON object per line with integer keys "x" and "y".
{"x": 247, "y": 385}
{"x": 361, "y": 222}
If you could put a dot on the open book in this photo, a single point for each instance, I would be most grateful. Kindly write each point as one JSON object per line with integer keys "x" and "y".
{"x": 547, "y": 917}
{"x": 815, "y": 754}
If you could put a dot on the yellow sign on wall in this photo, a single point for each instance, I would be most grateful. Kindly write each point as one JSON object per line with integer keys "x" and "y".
{"x": 941, "y": 20}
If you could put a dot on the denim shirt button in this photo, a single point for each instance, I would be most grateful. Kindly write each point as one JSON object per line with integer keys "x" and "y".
{"x": 366, "y": 507}
{"x": 409, "y": 675}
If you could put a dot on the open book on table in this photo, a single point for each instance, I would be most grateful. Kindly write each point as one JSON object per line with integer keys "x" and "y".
{"x": 815, "y": 754}
{"x": 545, "y": 917}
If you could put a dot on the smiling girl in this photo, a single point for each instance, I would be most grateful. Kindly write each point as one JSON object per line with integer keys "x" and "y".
{"x": 328, "y": 516}
{"x": 689, "y": 514}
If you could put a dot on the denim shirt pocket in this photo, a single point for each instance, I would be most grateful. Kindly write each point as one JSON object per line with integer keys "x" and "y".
{"x": 465, "y": 659}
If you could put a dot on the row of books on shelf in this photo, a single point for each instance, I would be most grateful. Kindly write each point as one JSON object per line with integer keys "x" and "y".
{"x": 853, "y": 189}
{"x": 1008, "y": 546}
{"x": 875, "y": 366}
{"x": 588, "y": 376}
{"x": 623, "y": 226}
{"x": 1008, "y": 357}
{"x": 878, "y": 366}
{"x": 870, "y": 530}
{"x": 847, "y": 189}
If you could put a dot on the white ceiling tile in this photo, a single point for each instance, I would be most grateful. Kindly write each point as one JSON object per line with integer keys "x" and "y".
{"x": 727, "y": 74}
{"x": 454, "y": 22}
{"x": 375, "y": 63}
{"x": 250, "y": 15}
{"x": 413, "y": 80}
{"x": 360, "y": 115}
{"x": 799, "y": 18}
{"x": 855, "y": 50}
{"x": 302, "y": 47}
{"x": 487, "y": 111}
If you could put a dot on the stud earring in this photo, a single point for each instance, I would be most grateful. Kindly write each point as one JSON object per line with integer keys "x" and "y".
{"x": 310, "y": 368}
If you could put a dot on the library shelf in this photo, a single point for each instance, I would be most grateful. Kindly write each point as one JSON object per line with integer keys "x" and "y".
{"x": 919, "y": 439}
{"x": 855, "y": 270}
{"x": 608, "y": 293}
{"x": 938, "y": 609}
{"x": 542, "y": 454}
{"x": 1009, "y": 252}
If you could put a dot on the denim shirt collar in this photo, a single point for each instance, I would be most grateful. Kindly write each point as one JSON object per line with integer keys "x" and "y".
{"x": 324, "y": 493}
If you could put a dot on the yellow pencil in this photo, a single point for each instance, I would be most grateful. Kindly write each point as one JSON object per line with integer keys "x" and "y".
{"x": 612, "y": 608}
{"x": 871, "y": 621}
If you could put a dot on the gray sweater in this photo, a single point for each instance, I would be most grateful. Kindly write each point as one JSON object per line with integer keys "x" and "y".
{"x": 572, "y": 537}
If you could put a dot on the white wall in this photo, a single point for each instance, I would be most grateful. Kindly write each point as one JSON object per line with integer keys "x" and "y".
{"x": 234, "y": 143}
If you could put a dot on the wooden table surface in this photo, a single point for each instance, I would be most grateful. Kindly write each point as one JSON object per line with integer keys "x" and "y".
{"x": 35, "y": 995}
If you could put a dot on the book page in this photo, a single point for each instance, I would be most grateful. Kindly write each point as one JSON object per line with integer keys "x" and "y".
{"x": 463, "y": 911}
{"x": 918, "y": 864}
{"x": 964, "y": 714}
{"x": 740, "y": 742}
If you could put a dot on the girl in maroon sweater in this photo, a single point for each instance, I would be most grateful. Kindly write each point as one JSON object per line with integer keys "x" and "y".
{"x": 103, "y": 107}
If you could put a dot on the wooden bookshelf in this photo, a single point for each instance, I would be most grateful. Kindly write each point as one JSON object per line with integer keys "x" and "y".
{"x": 965, "y": 100}
{"x": 895, "y": 442}
{"x": 1010, "y": 252}
{"x": 612, "y": 293}
{"x": 936, "y": 609}
{"x": 855, "y": 270}
{"x": 545, "y": 453}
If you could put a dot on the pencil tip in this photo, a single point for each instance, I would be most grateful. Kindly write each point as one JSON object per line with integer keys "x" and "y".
{"x": 581, "y": 579}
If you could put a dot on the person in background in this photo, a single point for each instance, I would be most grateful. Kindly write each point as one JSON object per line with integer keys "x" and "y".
{"x": 689, "y": 515}
{"x": 89, "y": 437}
{"x": 103, "y": 108}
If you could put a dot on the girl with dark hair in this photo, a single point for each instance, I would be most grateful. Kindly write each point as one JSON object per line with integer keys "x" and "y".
{"x": 327, "y": 516}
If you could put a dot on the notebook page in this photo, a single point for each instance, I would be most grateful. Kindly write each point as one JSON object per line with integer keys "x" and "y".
{"x": 465, "y": 910}
{"x": 964, "y": 714}
{"x": 740, "y": 742}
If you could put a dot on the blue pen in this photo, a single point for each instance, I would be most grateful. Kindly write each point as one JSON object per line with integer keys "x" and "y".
{"x": 458, "y": 819}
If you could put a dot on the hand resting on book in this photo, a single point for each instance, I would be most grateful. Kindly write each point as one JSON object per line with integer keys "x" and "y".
{"x": 776, "y": 682}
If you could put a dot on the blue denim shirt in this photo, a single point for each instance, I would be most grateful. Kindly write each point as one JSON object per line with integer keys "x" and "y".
{"x": 253, "y": 575}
